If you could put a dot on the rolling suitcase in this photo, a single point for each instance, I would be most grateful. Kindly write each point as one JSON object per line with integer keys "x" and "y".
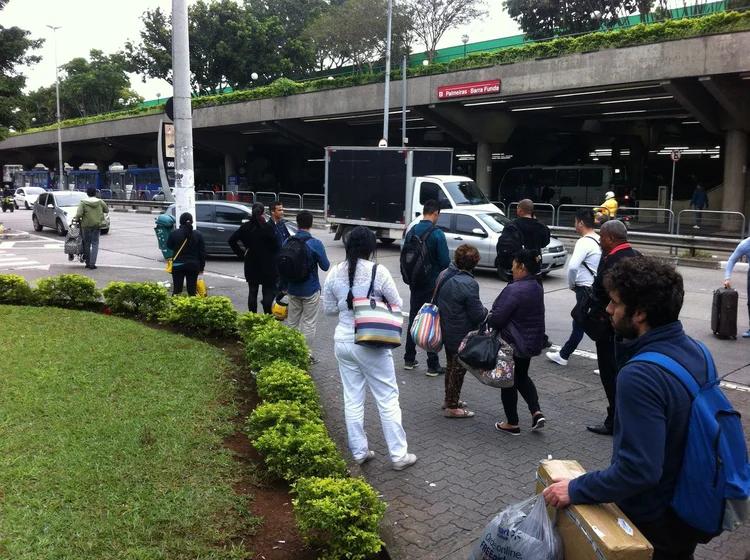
{"x": 724, "y": 313}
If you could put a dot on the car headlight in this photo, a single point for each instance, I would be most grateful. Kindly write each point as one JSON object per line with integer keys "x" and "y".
{"x": 545, "y": 250}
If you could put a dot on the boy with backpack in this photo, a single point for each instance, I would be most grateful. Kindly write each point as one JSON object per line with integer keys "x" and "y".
{"x": 424, "y": 255}
{"x": 298, "y": 263}
{"x": 679, "y": 466}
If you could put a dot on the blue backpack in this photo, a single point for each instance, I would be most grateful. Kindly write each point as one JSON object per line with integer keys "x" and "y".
{"x": 713, "y": 487}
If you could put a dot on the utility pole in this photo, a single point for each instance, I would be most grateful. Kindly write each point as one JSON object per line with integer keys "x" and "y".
{"x": 387, "y": 100}
{"x": 184, "y": 192}
{"x": 60, "y": 169}
{"x": 404, "y": 139}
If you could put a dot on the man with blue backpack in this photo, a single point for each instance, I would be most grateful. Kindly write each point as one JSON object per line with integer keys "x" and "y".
{"x": 679, "y": 466}
{"x": 298, "y": 263}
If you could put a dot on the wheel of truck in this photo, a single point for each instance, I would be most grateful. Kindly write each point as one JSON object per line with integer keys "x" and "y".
{"x": 387, "y": 241}
{"x": 345, "y": 235}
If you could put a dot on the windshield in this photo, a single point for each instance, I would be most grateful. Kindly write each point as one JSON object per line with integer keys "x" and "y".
{"x": 495, "y": 221}
{"x": 69, "y": 199}
{"x": 466, "y": 193}
{"x": 34, "y": 190}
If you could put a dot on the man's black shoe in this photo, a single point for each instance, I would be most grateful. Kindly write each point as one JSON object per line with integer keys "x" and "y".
{"x": 600, "y": 429}
{"x": 547, "y": 342}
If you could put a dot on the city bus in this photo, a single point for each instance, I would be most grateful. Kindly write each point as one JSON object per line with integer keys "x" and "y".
{"x": 133, "y": 182}
{"x": 558, "y": 184}
{"x": 87, "y": 175}
{"x": 40, "y": 176}
{"x": 9, "y": 172}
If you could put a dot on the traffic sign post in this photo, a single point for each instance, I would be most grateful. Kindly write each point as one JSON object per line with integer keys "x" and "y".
{"x": 383, "y": 143}
{"x": 675, "y": 156}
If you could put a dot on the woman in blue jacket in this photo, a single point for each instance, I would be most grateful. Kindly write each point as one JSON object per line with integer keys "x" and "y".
{"x": 518, "y": 313}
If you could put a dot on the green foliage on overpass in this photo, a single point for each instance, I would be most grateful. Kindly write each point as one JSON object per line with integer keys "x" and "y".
{"x": 670, "y": 30}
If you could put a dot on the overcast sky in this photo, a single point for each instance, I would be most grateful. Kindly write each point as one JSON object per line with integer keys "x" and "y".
{"x": 106, "y": 25}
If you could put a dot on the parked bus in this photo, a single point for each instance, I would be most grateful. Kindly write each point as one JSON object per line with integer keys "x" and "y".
{"x": 133, "y": 182}
{"x": 9, "y": 172}
{"x": 559, "y": 184}
{"x": 87, "y": 175}
{"x": 40, "y": 176}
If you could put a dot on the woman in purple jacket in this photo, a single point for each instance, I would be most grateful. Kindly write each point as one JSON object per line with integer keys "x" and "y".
{"x": 518, "y": 313}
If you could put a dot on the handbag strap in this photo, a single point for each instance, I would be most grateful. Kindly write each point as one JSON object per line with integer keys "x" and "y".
{"x": 372, "y": 281}
{"x": 439, "y": 281}
{"x": 179, "y": 250}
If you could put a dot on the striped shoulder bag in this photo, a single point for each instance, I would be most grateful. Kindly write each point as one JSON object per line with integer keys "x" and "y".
{"x": 377, "y": 324}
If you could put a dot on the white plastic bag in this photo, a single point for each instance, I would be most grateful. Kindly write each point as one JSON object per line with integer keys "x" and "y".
{"x": 520, "y": 531}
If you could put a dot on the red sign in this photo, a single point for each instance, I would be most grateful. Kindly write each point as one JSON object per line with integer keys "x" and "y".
{"x": 467, "y": 90}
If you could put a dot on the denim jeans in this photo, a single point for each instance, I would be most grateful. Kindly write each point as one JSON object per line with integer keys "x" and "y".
{"x": 576, "y": 335}
{"x": 90, "y": 245}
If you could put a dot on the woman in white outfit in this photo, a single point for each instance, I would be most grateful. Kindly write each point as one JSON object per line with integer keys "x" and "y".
{"x": 362, "y": 366}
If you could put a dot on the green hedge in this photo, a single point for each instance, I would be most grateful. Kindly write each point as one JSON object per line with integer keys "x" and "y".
{"x": 341, "y": 514}
{"x": 67, "y": 291}
{"x": 145, "y": 300}
{"x": 14, "y": 290}
{"x": 282, "y": 381}
{"x": 725, "y": 22}
{"x": 276, "y": 342}
{"x": 209, "y": 316}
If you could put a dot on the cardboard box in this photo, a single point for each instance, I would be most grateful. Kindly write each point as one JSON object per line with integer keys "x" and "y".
{"x": 592, "y": 532}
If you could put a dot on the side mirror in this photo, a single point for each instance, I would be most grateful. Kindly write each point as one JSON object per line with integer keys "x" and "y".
{"x": 245, "y": 220}
{"x": 50, "y": 206}
{"x": 479, "y": 231}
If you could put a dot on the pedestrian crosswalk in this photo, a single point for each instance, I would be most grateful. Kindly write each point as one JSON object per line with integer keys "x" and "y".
{"x": 11, "y": 261}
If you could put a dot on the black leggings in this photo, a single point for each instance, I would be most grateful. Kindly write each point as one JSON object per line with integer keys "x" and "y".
{"x": 521, "y": 384}
{"x": 179, "y": 276}
{"x": 269, "y": 293}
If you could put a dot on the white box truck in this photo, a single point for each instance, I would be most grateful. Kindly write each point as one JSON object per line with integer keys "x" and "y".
{"x": 384, "y": 189}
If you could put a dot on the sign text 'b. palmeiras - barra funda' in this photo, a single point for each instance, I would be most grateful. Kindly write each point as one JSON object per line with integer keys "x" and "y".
{"x": 468, "y": 90}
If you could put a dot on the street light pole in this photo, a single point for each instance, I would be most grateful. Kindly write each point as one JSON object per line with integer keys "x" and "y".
{"x": 464, "y": 40}
{"x": 60, "y": 169}
{"x": 184, "y": 192}
{"x": 387, "y": 100}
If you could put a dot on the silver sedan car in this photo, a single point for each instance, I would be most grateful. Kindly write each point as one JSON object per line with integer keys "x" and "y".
{"x": 482, "y": 229}
{"x": 217, "y": 220}
{"x": 56, "y": 209}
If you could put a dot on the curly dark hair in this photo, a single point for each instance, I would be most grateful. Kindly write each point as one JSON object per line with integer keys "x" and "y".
{"x": 466, "y": 257}
{"x": 650, "y": 285}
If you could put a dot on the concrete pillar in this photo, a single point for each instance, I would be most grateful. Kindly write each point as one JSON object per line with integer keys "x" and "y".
{"x": 230, "y": 169}
{"x": 484, "y": 167}
{"x": 735, "y": 175}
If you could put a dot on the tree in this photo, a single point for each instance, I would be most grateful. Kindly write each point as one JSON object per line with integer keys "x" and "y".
{"x": 432, "y": 18}
{"x": 14, "y": 48}
{"x": 355, "y": 33}
{"x": 228, "y": 43}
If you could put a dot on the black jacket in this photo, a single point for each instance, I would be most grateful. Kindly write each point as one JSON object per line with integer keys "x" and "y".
{"x": 192, "y": 257}
{"x": 461, "y": 310}
{"x": 261, "y": 246}
{"x": 623, "y": 251}
{"x": 534, "y": 234}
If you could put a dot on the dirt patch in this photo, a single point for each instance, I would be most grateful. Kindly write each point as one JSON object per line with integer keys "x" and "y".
{"x": 277, "y": 538}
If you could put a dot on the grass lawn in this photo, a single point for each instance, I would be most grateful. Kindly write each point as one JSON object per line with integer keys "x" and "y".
{"x": 110, "y": 441}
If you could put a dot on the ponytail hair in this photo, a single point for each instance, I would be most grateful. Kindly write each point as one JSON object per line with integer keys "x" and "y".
{"x": 186, "y": 223}
{"x": 361, "y": 245}
{"x": 257, "y": 212}
{"x": 532, "y": 260}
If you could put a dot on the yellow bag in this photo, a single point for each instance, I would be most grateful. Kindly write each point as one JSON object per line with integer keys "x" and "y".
{"x": 170, "y": 261}
{"x": 200, "y": 288}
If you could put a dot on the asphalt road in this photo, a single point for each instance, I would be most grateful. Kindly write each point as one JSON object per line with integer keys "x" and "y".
{"x": 130, "y": 253}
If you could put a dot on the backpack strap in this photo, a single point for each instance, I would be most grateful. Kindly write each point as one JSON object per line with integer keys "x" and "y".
{"x": 678, "y": 371}
{"x": 427, "y": 232}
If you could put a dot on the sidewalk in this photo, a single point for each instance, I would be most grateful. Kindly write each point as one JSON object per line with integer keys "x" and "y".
{"x": 467, "y": 471}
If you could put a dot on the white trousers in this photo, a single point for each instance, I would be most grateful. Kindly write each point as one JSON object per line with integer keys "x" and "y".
{"x": 303, "y": 315}
{"x": 373, "y": 367}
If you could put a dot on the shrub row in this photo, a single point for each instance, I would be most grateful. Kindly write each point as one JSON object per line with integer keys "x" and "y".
{"x": 340, "y": 514}
{"x": 211, "y": 316}
{"x": 725, "y": 22}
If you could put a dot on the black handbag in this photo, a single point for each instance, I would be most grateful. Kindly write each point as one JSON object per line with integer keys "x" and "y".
{"x": 592, "y": 316}
{"x": 479, "y": 349}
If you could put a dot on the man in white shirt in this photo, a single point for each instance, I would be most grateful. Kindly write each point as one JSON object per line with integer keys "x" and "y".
{"x": 581, "y": 273}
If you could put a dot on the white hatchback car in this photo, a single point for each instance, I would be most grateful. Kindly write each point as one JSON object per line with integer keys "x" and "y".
{"x": 26, "y": 196}
{"x": 482, "y": 229}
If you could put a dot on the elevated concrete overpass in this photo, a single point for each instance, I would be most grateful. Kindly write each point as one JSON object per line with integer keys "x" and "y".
{"x": 690, "y": 92}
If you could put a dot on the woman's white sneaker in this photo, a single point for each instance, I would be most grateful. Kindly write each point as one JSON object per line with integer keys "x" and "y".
{"x": 408, "y": 462}
{"x": 555, "y": 357}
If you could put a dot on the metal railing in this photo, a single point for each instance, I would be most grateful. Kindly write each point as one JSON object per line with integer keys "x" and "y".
{"x": 654, "y": 220}
{"x": 544, "y": 212}
{"x": 567, "y": 212}
{"x": 291, "y": 201}
{"x": 500, "y": 205}
{"x": 666, "y": 240}
{"x": 314, "y": 202}
{"x": 716, "y": 222}
{"x": 265, "y": 198}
